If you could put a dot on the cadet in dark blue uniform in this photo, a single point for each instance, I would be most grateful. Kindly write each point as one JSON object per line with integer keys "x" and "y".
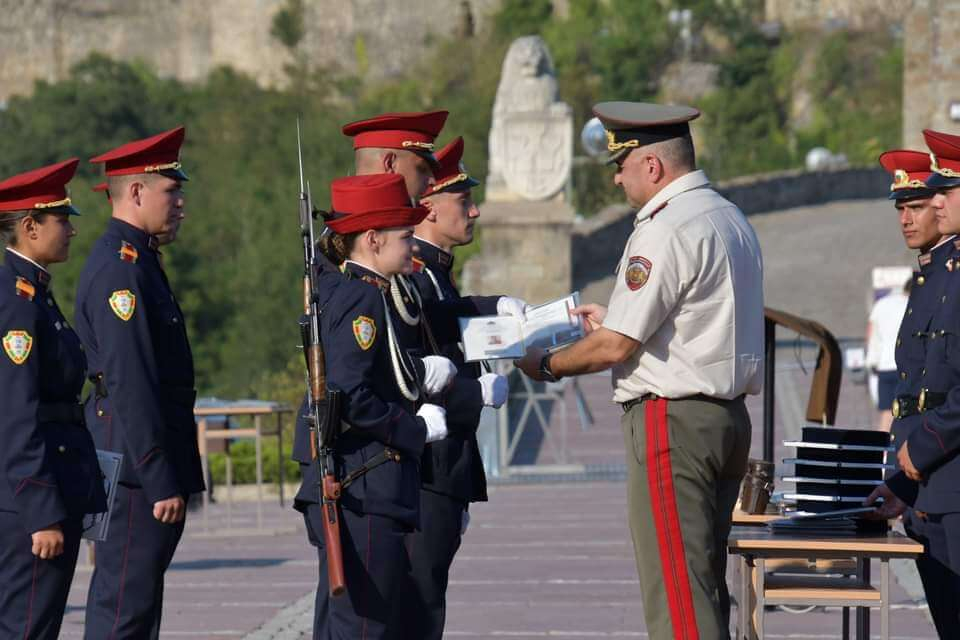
{"x": 451, "y": 469}
{"x": 49, "y": 464}
{"x": 386, "y": 417}
{"x": 140, "y": 360}
{"x": 926, "y": 484}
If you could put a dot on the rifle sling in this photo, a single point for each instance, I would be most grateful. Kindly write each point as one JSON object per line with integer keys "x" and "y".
{"x": 387, "y": 455}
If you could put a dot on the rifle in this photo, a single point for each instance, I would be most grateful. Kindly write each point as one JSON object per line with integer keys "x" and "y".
{"x": 324, "y": 403}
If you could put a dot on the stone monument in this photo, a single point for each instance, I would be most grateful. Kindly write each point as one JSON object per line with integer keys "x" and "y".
{"x": 526, "y": 218}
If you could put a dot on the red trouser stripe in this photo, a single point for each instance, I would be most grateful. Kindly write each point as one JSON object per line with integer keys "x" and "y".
{"x": 666, "y": 519}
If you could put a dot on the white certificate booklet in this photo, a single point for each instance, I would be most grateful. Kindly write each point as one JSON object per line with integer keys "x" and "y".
{"x": 95, "y": 524}
{"x": 549, "y": 326}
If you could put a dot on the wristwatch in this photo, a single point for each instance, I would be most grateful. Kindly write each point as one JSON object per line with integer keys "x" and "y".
{"x": 545, "y": 371}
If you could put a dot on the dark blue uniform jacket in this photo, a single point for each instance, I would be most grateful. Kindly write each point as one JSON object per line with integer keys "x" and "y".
{"x": 353, "y": 331}
{"x": 933, "y": 436}
{"x": 49, "y": 466}
{"x": 134, "y": 334}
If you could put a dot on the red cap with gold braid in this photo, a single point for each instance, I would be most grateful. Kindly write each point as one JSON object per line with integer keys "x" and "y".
{"x": 378, "y": 201}
{"x": 40, "y": 190}
{"x": 156, "y": 154}
{"x": 450, "y": 174}
{"x": 413, "y": 131}
{"x": 910, "y": 170}
{"x": 944, "y": 159}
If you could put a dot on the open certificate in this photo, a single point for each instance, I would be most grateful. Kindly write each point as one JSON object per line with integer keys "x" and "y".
{"x": 95, "y": 524}
{"x": 549, "y": 326}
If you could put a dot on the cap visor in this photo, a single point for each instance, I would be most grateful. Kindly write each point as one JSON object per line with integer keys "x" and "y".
{"x": 456, "y": 187}
{"x": 175, "y": 174}
{"x": 937, "y": 181}
{"x": 617, "y": 156}
{"x": 911, "y": 194}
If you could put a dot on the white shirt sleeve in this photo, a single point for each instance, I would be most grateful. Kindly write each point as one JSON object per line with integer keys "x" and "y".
{"x": 654, "y": 272}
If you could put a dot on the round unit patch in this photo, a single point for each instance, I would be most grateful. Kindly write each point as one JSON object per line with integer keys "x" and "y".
{"x": 123, "y": 303}
{"x": 17, "y": 345}
{"x": 637, "y": 272}
{"x": 365, "y": 331}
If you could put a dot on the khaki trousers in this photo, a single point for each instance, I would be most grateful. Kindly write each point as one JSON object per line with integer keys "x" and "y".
{"x": 685, "y": 461}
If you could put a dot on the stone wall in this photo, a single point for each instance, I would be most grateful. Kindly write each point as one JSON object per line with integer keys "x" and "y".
{"x": 817, "y": 14}
{"x": 42, "y": 39}
{"x": 931, "y": 69}
{"x": 598, "y": 241}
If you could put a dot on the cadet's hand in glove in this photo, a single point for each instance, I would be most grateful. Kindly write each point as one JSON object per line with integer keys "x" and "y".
{"x": 436, "y": 418}
{"x": 507, "y": 306}
{"x": 494, "y": 388}
{"x": 438, "y": 374}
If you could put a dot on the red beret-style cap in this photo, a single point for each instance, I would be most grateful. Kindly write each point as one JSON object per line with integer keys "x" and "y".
{"x": 156, "y": 154}
{"x": 910, "y": 170}
{"x": 450, "y": 174}
{"x": 414, "y": 131}
{"x": 378, "y": 201}
{"x": 43, "y": 189}
{"x": 944, "y": 159}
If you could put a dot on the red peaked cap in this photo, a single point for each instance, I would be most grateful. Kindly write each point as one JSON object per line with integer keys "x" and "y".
{"x": 944, "y": 159}
{"x": 43, "y": 189}
{"x": 378, "y": 201}
{"x": 413, "y": 131}
{"x": 910, "y": 170}
{"x": 450, "y": 174}
{"x": 156, "y": 154}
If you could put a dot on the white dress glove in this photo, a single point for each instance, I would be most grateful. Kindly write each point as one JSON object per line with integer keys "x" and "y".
{"x": 438, "y": 374}
{"x": 494, "y": 389}
{"x": 507, "y": 306}
{"x": 436, "y": 418}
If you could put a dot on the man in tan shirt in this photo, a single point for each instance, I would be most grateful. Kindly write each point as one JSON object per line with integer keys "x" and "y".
{"x": 684, "y": 337}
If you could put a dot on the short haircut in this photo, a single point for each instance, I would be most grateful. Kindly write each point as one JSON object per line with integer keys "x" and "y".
{"x": 116, "y": 185}
{"x": 677, "y": 153}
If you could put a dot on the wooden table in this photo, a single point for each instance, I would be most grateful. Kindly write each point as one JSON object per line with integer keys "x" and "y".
{"x": 756, "y": 546}
{"x": 204, "y": 434}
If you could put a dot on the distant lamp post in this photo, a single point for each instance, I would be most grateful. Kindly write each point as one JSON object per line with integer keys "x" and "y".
{"x": 593, "y": 138}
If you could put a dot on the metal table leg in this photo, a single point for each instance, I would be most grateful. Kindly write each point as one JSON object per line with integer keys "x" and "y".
{"x": 761, "y": 573}
{"x": 863, "y": 613}
{"x": 885, "y": 598}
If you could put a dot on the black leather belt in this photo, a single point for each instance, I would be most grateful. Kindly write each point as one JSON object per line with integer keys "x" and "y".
{"x": 69, "y": 412}
{"x": 630, "y": 404}
{"x": 905, "y": 406}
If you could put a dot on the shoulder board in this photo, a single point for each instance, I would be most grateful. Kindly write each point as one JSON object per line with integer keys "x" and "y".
{"x": 25, "y": 288}
{"x": 418, "y": 265}
{"x": 128, "y": 252}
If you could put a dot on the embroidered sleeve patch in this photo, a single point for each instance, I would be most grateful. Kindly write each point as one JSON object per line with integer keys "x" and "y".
{"x": 17, "y": 345}
{"x": 365, "y": 331}
{"x": 637, "y": 272}
{"x": 123, "y": 303}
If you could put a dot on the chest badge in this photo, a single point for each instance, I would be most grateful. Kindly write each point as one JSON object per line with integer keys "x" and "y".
{"x": 365, "y": 331}
{"x": 123, "y": 303}
{"x": 637, "y": 272}
{"x": 17, "y": 345}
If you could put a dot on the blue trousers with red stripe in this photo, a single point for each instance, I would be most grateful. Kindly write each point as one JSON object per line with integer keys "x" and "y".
{"x": 374, "y": 564}
{"x": 685, "y": 461}
{"x": 125, "y": 599}
{"x": 33, "y": 592}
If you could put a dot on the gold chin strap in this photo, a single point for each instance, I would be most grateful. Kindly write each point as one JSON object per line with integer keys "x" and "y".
{"x": 902, "y": 181}
{"x": 946, "y": 173}
{"x": 613, "y": 145}
{"x": 427, "y": 146}
{"x": 52, "y": 205}
{"x": 460, "y": 177}
{"x": 156, "y": 168}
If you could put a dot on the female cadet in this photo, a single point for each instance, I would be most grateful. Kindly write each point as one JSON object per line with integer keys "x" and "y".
{"x": 383, "y": 407}
{"x": 48, "y": 459}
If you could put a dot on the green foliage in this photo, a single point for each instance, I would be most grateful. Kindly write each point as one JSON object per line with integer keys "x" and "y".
{"x": 287, "y": 25}
{"x": 243, "y": 461}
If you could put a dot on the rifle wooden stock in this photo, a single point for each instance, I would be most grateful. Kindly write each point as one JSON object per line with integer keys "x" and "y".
{"x": 331, "y": 536}
{"x": 317, "y": 373}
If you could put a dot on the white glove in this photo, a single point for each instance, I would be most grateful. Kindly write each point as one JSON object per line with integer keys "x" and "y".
{"x": 436, "y": 418}
{"x": 438, "y": 373}
{"x": 507, "y": 306}
{"x": 494, "y": 389}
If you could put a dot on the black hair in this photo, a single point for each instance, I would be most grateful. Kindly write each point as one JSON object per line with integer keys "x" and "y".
{"x": 9, "y": 221}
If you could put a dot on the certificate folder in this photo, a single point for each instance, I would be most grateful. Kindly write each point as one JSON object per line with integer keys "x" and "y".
{"x": 550, "y": 326}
